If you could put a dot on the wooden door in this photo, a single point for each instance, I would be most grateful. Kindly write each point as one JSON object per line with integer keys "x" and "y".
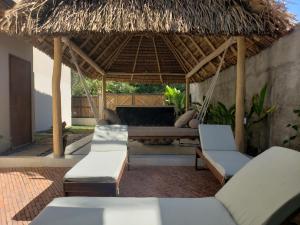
{"x": 20, "y": 101}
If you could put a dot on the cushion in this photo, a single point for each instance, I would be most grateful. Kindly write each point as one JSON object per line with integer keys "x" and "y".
{"x": 216, "y": 137}
{"x": 111, "y": 116}
{"x": 142, "y": 132}
{"x": 266, "y": 190}
{"x": 134, "y": 211}
{"x": 110, "y": 138}
{"x": 100, "y": 167}
{"x": 102, "y": 122}
{"x": 194, "y": 123}
{"x": 183, "y": 120}
{"x": 228, "y": 163}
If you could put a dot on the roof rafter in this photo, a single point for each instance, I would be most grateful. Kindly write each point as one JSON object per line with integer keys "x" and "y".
{"x": 136, "y": 56}
{"x": 157, "y": 60}
{"x": 212, "y": 46}
{"x": 175, "y": 53}
{"x": 109, "y": 60}
{"x": 83, "y": 55}
{"x": 211, "y": 56}
{"x": 185, "y": 60}
{"x": 94, "y": 49}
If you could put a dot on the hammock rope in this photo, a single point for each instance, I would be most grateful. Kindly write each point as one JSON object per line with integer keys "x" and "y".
{"x": 210, "y": 91}
{"x": 84, "y": 85}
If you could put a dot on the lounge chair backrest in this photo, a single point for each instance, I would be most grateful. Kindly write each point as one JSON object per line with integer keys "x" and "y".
{"x": 109, "y": 138}
{"x": 266, "y": 191}
{"x": 216, "y": 137}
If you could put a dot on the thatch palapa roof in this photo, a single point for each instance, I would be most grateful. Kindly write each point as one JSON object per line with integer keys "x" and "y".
{"x": 149, "y": 40}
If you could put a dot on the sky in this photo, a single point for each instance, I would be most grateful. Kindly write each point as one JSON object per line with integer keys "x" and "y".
{"x": 294, "y": 7}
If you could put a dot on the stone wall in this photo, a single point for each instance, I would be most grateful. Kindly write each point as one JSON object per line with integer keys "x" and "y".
{"x": 277, "y": 66}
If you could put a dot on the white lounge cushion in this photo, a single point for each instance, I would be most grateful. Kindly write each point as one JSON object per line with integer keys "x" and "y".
{"x": 266, "y": 190}
{"x": 110, "y": 138}
{"x": 134, "y": 211}
{"x": 101, "y": 167}
{"x": 228, "y": 163}
{"x": 216, "y": 137}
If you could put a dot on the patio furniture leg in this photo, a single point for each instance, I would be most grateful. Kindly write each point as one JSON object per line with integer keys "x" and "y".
{"x": 198, "y": 155}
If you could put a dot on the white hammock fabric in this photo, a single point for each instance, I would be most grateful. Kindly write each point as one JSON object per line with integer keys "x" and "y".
{"x": 210, "y": 91}
{"x": 82, "y": 80}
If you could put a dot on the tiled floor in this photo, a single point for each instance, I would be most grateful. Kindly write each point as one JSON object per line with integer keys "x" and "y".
{"x": 24, "y": 192}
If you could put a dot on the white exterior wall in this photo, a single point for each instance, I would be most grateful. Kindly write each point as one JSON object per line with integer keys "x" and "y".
{"x": 19, "y": 48}
{"x": 42, "y": 68}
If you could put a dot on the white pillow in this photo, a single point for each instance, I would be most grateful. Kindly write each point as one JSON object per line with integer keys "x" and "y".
{"x": 111, "y": 116}
{"x": 183, "y": 120}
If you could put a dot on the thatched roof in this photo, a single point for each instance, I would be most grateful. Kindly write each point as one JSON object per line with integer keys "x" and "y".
{"x": 149, "y": 41}
{"x": 203, "y": 17}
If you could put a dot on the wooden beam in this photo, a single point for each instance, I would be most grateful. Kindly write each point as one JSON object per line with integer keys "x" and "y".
{"x": 240, "y": 94}
{"x": 212, "y": 46}
{"x": 187, "y": 94}
{"x": 183, "y": 58}
{"x": 143, "y": 74}
{"x": 94, "y": 49}
{"x": 174, "y": 52}
{"x": 136, "y": 56}
{"x": 211, "y": 56}
{"x": 85, "y": 42}
{"x": 107, "y": 47}
{"x": 187, "y": 49}
{"x": 56, "y": 99}
{"x": 157, "y": 60}
{"x": 103, "y": 95}
{"x": 83, "y": 55}
{"x": 201, "y": 51}
{"x": 117, "y": 52}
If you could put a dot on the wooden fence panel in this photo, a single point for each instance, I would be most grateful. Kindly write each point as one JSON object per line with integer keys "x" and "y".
{"x": 82, "y": 109}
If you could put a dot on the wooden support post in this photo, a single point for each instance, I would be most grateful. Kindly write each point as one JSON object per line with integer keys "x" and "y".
{"x": 103, "y": 100}
{"x": 56, "y": 99}
{"x": 240, "y": 95}
{"x": 187, "y": 94}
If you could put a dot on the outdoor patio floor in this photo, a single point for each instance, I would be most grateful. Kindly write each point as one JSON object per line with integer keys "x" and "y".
{"x": 25, "y": 192}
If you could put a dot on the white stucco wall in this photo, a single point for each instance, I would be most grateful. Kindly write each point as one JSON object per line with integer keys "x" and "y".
{"x": 21, "y": 49}
{"x": 277, "y": 66}
{"x": 42, "y": 68}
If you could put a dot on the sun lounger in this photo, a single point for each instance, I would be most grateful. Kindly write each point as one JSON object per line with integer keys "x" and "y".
{"x": 100, "y": 172}
{"x": 264, "y": 192}
{"x": 136, "y": 133}
{"x": 219, "y": 152}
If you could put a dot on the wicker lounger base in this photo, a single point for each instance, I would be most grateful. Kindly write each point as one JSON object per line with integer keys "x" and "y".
{"x": 91, "y": 189}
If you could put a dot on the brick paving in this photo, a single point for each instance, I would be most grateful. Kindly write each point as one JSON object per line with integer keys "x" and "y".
{"x": 25, "y": 192}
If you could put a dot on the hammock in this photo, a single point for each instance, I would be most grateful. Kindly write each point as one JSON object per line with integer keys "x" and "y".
{"x": 210, "y": 91}
{"x": 206, "y": 102}
{"x": 84, "y": 85}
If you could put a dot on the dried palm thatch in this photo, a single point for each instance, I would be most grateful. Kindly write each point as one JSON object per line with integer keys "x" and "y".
{"x": 149, "y": 41}
{"x": 202, "y": 17}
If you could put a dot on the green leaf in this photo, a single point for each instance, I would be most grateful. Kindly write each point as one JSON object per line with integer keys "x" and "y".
{"x": 285, "y": 142}
{"x": 295, "y": 127}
